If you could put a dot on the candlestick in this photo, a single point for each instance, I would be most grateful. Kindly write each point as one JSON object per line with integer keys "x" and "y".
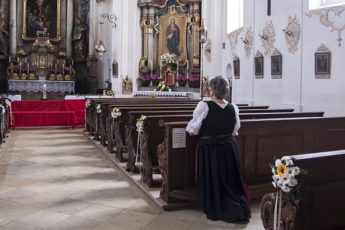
{"x": 187, "y": 68}
{"x": 27, "y": 68}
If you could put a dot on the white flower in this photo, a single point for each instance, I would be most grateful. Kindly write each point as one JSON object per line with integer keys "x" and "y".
{"x": 167, "y": 59}
{"x": 284, "y": 174}
{"x": 87, "y": 103}
{"x": 115, "y": 113}
{"x": 8, "y": 103}
{"x": 99, "y": 108}
{"x": 278, "y": 162}
{"x": 141, "y": 123}
{"x": 2, "y": 108}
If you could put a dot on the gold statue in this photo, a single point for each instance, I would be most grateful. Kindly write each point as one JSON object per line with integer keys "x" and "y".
{"x": 127, "y": 86}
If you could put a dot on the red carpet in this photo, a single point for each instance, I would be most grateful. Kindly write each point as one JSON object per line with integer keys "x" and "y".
{"x": 48, "y": 113}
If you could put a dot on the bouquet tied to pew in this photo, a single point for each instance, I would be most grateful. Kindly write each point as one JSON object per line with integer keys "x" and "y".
{"x": 115, "y": 113}
{"x": 99, "y": 108}
{"x": 141, "y": 123}
{"x": 87, "y": 103}
{"x": 285, "y": 174}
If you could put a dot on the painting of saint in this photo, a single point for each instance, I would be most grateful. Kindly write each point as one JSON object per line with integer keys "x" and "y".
{"x": 41, "y": 17}
{"x": 173, "y": 37}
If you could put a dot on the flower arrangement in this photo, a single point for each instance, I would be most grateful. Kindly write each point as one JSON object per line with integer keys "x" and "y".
{"x": 52, "y": 77}
{"x": 284, "y": 174}
{"x": 141, "y": 124}
{"x": 87, "y": 103}
{"x": 14, "y": 76}
{"x": 21, "y": 52}
{"x": 8, "y": 103}
{"x": 99, "y": 108}
{"x": 59, "y": 77}
{"x": 115, "y": 113}
{"x": 67, "y": 77}
{"x": 162, "y": 87}
{"x": 168, "y": 59}
{"x": 23, "y": 76}
{"x": 32, "y": 76}
{"x": 2, "y": 108}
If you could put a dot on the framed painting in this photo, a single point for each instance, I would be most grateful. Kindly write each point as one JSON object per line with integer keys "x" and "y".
{"x": 236, "y": 64}
{"x": 172, "y": 36}
{"x": 41, "y": 17}
{"x": 259, "y": 67}
{"x": 276, "y": 65}
{"x": 322, "y": 63}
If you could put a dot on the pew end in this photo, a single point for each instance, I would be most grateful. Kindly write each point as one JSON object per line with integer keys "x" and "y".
{"x": 321, "y": 199}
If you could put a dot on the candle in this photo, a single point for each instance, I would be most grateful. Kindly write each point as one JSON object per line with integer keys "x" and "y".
{"x": 187, "y": 68}
{"x": 63, "y": 69}
{"x": 27, "y": 68}
{"x": 160, "y": 69}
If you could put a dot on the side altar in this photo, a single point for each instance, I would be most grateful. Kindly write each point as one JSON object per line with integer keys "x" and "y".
{"x": 41, "y": 68}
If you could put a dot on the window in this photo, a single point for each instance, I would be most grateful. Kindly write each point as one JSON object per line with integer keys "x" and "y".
{"x": 234, "y": 15}
{"x": 315, "y": 4}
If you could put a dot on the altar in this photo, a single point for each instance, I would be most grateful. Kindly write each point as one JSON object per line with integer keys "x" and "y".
{"x": 38, "y": 85}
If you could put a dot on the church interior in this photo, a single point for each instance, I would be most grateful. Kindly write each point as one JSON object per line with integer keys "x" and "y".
{"x": 96, "y": 96}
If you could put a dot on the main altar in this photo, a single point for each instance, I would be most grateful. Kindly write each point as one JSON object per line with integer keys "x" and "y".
{"x": 40, "y": 69}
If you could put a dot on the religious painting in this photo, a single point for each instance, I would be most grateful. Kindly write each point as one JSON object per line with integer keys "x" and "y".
{"x": 172, "y": 36}
{"x": 322, "y": 63}
{"x": 236, "y": 63}
{"x": 259, "y": 67}
{"x": 41, "y": 17}
{"x": 276, "y": 65}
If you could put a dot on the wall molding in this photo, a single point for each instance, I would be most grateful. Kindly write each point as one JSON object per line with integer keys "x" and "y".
{"x": 326, "y": 21}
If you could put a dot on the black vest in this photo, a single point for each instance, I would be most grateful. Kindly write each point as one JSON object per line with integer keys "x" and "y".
{"x": 218, "y": 121}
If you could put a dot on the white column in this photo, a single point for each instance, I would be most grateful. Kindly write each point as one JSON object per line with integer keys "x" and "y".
{"x": 69, "y": 28}
{"x": 92, "y": 30}
{"x": 13, "y": 27}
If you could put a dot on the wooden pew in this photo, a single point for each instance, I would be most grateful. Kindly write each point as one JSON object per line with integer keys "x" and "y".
{"x": 118, "y": 129}
{"x": 259, "y": 142}
{"x": 154, "y": 133}
{"x": 91, "y": 123}
{"x": 320, "y": 201}
{"x": 113, "y": 132}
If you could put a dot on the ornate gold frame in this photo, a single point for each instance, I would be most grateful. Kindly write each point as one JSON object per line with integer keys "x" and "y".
{"x": 181, "y": 22}
{"x": 58, "y": 23}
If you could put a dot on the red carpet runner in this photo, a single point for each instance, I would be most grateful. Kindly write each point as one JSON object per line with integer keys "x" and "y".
{"x": 48, "y": 113}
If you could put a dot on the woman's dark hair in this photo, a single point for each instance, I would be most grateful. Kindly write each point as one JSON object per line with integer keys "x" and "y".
{"x": 219, "y": 87}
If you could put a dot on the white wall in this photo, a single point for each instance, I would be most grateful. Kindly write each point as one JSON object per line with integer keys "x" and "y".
{"x": 298, "y": 87}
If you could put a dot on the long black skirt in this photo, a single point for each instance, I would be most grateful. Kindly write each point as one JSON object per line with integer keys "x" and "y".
{"x": 221, "y": 188}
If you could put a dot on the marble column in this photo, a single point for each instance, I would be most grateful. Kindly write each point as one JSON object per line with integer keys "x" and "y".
{"x": 92, "y": 30}
{"x": 69, "y": 34}
{"x": 13, "y": 27}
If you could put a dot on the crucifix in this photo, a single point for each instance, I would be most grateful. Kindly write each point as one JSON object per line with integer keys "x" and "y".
{"x": 268, "y": 7}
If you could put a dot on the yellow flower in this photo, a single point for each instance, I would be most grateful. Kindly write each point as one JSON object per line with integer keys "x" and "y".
{"x": 281, "y": 169}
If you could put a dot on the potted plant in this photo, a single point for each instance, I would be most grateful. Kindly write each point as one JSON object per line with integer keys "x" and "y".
{"x": 194, "y": 81}
{"x": 144, "y": 80}
{"x": 155, "y": 78}
{"x": 181, "y": 79}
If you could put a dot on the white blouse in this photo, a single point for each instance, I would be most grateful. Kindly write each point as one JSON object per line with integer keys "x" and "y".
{"x": 200, "y": 113}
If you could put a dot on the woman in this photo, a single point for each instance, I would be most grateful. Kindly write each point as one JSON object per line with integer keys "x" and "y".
{"x": 221, "y": 188}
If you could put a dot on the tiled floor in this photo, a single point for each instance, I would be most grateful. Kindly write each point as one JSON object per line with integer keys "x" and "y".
{"x": 55, "y": 178}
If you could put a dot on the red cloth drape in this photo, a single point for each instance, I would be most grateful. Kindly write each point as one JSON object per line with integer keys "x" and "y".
{"x": 48, "y": 112}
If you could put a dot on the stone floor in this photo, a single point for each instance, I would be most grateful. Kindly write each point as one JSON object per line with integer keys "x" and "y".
{"x": 55, "y": 178}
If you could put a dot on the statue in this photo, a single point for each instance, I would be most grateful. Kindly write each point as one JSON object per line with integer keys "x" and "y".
{"x": 205, "y": 89}
{"x": 78, "y": 38}
{"x": 126, "y": 86}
